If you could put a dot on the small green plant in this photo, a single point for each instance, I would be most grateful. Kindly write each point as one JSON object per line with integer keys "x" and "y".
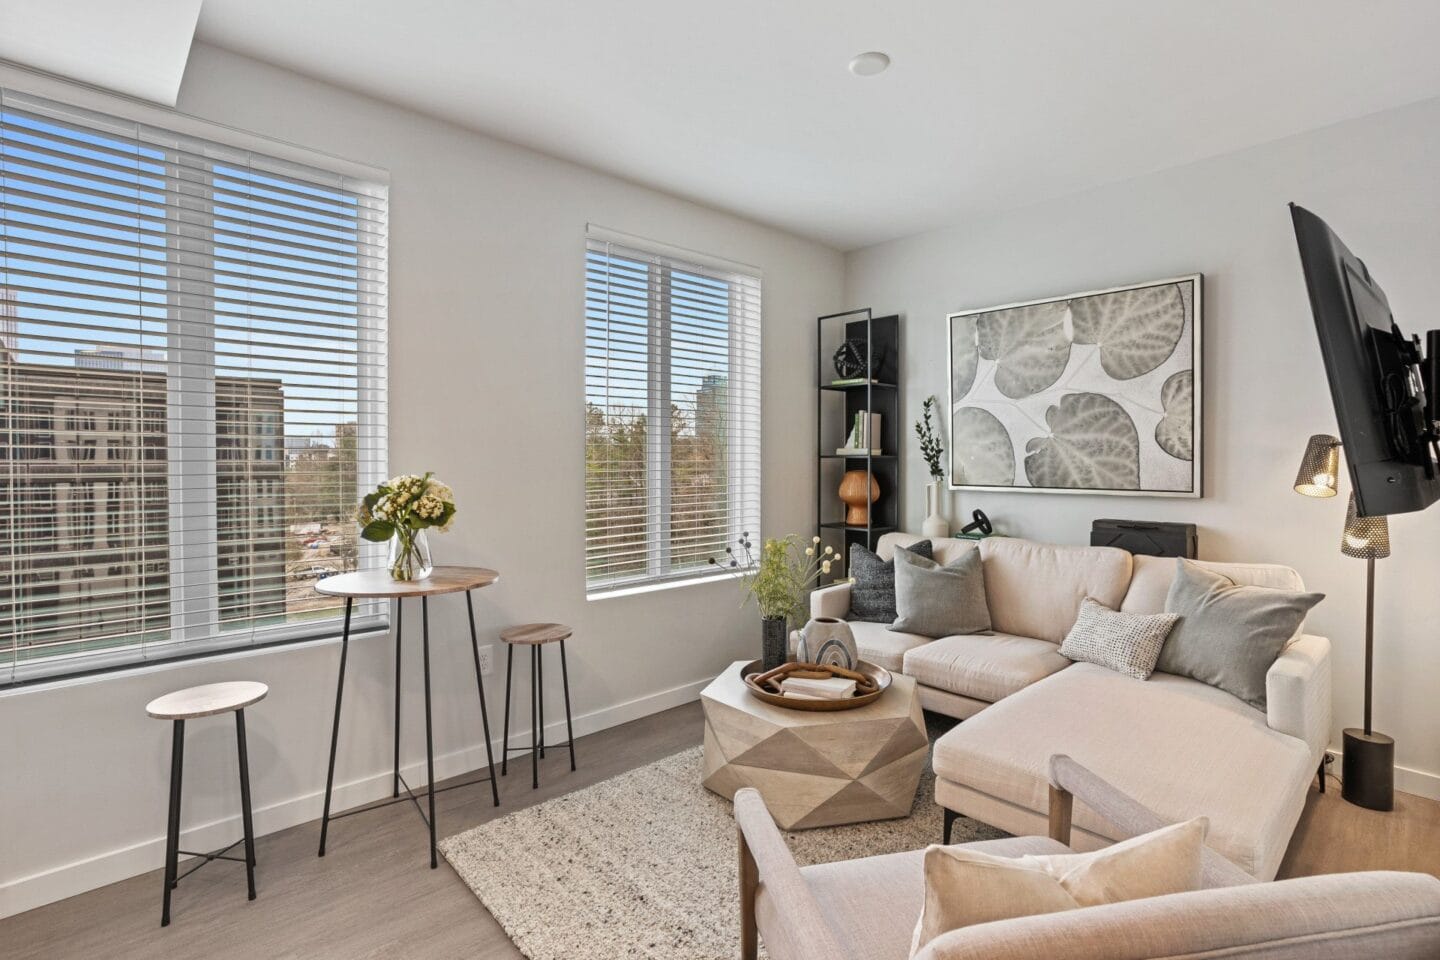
{"x": 930, "y": 446}
{"x": 783, "y": 577}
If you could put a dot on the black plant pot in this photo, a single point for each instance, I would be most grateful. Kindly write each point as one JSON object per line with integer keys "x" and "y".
{"x": 774, "y": 642}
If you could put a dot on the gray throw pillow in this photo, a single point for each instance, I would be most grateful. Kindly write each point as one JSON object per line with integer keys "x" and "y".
{"x": 936, "y": 601}
{"x": 872, "y": 594}
{"x": 1229, "y": 635}
{"x": 1127, "y": 643}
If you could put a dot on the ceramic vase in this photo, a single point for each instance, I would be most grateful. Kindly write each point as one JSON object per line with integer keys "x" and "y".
{"x": 857, "y": 498}
{"x": 827, "y": 641}
{"x": 936, "y": 523}
{"x": 773, "y": 642}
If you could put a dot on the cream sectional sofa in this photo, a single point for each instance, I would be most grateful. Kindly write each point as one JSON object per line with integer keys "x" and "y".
{"x": 1180, "y": 747}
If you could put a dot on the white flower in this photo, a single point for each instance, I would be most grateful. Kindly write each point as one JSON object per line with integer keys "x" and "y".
{"x": 809, "y": 551}
{"x": 817, "y": 540}
{"x": 825, "y": 567}
{"x": 829, "y": 550}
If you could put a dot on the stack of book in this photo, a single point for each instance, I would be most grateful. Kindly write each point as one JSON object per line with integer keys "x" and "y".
{"x": 835, "y": 688}
{"x": 864, "y": 438}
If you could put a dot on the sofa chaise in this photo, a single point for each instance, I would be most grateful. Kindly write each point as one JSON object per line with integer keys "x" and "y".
{"x": 1180, "y": 747}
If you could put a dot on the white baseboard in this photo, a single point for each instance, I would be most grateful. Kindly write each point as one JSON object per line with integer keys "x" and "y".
{"x": 67, "y": 880}
{"x": 1420, "y": 783}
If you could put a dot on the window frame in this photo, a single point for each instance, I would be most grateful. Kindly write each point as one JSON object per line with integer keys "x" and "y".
{"x": 659, "y": 459}
{"x": 195, "y": 634}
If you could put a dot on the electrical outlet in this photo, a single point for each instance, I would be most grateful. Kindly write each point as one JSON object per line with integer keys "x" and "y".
{"x": 487, "y": 662}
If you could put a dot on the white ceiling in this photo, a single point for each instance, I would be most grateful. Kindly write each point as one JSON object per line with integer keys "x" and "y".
{"x": 747, "y": 104}
{"x": 135, "y": 48}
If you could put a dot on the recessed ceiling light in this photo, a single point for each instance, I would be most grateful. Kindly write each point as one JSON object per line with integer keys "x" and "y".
{"x": 869, "y": 64}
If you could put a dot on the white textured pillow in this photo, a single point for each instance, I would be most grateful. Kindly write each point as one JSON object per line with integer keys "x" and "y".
{"x": 965, "y": 887}
{"x": 1128, "y": 643}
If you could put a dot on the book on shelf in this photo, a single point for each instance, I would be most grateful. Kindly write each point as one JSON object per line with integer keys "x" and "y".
{"x": 864, "y": 435}
{"x": 855, "y": 452}
{"x": 852, "y": 382}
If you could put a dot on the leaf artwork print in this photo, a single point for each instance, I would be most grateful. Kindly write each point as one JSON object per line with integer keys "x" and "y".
{"x": 1136, "y": 330}
{"x": 1029, "y": 345}
{"x": 1093, "y": 445}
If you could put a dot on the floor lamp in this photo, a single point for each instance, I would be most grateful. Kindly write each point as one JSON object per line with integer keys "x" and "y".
{"x": 1368, "y": 765}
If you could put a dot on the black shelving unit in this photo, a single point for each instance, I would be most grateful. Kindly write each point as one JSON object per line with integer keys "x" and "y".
{"x": 836, "y": 405}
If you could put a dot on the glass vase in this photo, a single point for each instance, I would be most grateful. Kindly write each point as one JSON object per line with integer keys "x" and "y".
{"x": 409, "y": 555}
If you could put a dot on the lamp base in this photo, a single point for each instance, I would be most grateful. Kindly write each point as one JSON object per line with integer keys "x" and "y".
{"x": 1367, "y": 770}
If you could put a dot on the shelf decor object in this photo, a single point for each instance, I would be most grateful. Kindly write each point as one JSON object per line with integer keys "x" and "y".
{"x": 1367, "y": 767}
{"x": 1062, "y": 395}
{"x": 400, "y": 510}
{"x": 857, "y": 408}
{"x": 779, "y": 582}
{"x": 936, "y": 524}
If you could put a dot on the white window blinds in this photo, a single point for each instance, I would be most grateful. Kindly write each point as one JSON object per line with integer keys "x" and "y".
{"x": 192, "y": 348}
{"x": 672, "y": 414}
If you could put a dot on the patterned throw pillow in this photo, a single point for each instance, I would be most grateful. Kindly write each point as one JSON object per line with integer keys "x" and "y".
{"x": 872, "y": 595}
{"x": 1127, "y": 643}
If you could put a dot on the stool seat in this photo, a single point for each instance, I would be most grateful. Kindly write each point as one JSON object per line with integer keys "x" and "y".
{"x": 536, "y": 633}
{"x": 206, "y": 700}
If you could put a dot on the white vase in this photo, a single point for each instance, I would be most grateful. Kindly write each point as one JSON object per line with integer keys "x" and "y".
{"x": 828, "y": 641}
{"x": 936, "y": 523}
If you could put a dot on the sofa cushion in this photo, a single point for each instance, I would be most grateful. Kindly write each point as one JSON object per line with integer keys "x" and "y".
{"x": 1179, "y": 747}
{"x": 936, "y": 601}
{"x": 985, "y": 666}
{"x": 1229, "y": 635}
{"x": 882, "y": 646}
{"x": 1035, "y": 589}
{"x": 1152, "y": 576}
{"x": 872, "y": 590}
{"x": 873, "y": 903}
{"x": 945, "y": 549}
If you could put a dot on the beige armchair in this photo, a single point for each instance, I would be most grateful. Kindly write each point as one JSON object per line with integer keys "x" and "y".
{"x": 866, "y": 909}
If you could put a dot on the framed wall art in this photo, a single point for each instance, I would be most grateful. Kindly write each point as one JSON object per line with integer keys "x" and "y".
{"x": 1094, "y": 392}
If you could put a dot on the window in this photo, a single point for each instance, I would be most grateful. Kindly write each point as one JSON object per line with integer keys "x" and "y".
{"x": 204, "y": 307}
{"x": 672, "y": 413}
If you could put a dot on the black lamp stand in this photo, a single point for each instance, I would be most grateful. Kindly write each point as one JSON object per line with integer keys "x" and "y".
{"x": 1367, "y": 768}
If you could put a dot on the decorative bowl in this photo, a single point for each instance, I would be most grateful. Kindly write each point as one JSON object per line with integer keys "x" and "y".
{"x": 877, "y": 676}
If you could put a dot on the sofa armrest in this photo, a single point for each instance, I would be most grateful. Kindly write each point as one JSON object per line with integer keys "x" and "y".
{"x": 832, "y": 601}
{"x": 1297, "y": 693}
{"x": 795, "y": 928}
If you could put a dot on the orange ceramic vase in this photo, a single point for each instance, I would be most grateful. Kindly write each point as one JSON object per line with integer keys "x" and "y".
{"x": 857, "y": 498}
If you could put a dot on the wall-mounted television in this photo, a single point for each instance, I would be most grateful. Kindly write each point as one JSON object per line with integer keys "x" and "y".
{"x": 1386, "y": 389}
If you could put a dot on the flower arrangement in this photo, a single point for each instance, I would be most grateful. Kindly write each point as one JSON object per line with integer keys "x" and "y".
{"x": 930, "y": 446}
{"x": 788, "y": 569}
{"x": 398, "y": 510}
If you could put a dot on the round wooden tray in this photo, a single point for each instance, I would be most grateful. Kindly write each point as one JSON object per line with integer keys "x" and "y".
{"x": 880, "y": 675}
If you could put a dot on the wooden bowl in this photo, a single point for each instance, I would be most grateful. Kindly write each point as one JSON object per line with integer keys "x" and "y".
{"x": 879, "y": 675}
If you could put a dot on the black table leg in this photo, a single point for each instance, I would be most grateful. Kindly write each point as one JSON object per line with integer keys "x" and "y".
{"x": 540, "y": 692}
{"x": 335, "y": 730}
{"x": 534, "y": 717}
{"x": 505, "y": 745}
{"x": 245, "y": 817}
{"x": 399, "y": 617}
{"x": 172, "y": 831}
{"x": 484, "y": 710}
{"x": 429, "y": 737}
{"x": 569, "y": 728}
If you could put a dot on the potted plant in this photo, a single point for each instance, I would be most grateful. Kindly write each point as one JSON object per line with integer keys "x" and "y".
{"x": 400, "y": 510}
{"x": 779, "y": 583}
{"x": 936, "y": 523}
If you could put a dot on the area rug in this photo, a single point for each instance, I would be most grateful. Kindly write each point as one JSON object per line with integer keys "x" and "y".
{"x": 644, "y": 864}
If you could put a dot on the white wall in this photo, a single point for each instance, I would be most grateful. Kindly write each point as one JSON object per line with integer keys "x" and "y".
{"x": 1375, "y": 180}
{"x": 486, "y": 256}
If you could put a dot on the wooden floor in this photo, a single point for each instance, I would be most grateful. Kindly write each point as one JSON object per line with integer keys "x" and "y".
{"x": 374, "y": 896}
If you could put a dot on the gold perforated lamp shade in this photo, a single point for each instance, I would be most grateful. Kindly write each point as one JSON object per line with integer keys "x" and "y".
{"x": 1319, "y": 473}
{"x": 1365, "y": 537}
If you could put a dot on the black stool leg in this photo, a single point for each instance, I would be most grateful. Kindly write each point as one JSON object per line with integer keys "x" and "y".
{"x": 534, "y": 717}
{"x": 399, "y": 618}
{"x": 172, "y": 831}
{"x": 505, "y": 746}
{"x": 429, "y": 738}
{"x": 540, "y": 692}
{"x": 569, "y": 728}
{"x": 335, "y": 730}
{"x": 484, "y": 711}
{"x": 245, "y": 817}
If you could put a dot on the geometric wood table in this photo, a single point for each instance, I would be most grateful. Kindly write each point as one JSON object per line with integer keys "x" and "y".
{"x": 815, "y": 768}
{"x": 377, "y": 584}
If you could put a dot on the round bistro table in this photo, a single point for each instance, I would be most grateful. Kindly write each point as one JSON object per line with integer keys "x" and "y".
{"x": 377, "y": 584}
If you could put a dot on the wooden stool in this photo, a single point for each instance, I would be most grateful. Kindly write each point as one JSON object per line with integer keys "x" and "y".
{"x": 535, "y": 636}
{"x": 188, "y": 704}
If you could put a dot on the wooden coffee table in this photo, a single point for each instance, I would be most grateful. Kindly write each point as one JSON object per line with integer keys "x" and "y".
{"x": 815, "y": 769}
